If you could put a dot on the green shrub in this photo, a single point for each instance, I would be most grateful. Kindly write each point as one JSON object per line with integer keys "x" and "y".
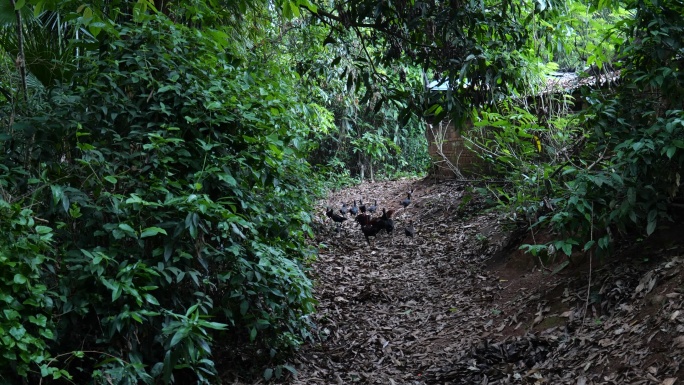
{"x": 178, "y": 198}
{"x": 26, "y": 324}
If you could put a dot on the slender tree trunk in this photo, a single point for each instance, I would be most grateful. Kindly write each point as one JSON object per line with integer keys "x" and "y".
{"x": 370, "y": 165}
{"x": 361, "y": 166}
{"x": 21, "y": 61}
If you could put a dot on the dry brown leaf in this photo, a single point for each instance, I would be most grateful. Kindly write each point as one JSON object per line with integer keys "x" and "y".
{"x": 538, "y": 319}
{"x": 639, "y": 288}
{"x": 651, "y": 284}
{"x": 669, "y": 381}
{"x": 679, "y": 342}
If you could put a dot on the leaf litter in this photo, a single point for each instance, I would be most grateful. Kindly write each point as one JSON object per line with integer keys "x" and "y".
{"x": 457, "y": 303}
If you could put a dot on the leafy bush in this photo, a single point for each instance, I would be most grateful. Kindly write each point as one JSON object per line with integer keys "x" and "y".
{"x": 172, "y": 179}
{"x": 26, "y": 324}
{"x": 617, "y": 168}
{"x": 631, "y": 166}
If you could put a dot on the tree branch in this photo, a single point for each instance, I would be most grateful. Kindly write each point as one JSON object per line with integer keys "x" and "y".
{"x": 325, "y": 18}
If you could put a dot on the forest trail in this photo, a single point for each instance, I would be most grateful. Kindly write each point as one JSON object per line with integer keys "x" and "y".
{"x": 459, "y": 304}
{"x": 389, "y": 313}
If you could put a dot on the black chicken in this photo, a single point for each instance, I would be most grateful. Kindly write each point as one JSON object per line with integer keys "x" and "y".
{"x": 362, "y": 207}
{"x": 363, "y": 219}
{"x": 407, "y": 201}
{"x": 386, "y": 220}
{"x": 372, "y": 209}
{"x": 344, "y": 210}
{"x": 354, "y": 209}
{"x": 336, "y": 218}
{"x": 370, "y": 231}
{"x": 370, "y": 227}
{"x": 409, "y": 230}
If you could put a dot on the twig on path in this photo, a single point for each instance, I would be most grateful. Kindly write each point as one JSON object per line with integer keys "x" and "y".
{"x": 591, "y": 254}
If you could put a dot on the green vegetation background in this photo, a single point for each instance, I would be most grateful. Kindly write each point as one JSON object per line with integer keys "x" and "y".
{"x": 160, "y": 163}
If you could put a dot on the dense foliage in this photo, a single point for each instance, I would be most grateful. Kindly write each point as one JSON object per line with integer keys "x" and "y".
{"x": 159, "y": 161}
{"x": 605, "y": 162}
{"x": 156, "y": 204}
{"x": 372, "y": 139}
{"x": 635, "y": 134}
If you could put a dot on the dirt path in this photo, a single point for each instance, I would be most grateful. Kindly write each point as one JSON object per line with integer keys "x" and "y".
{"x": 453, "y": 306}
{"x": 396, "y": 312}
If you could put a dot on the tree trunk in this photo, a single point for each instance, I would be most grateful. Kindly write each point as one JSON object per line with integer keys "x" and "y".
{"x": 370, "y": 166}
{"x": 361, "y": 166}
{"x": 21, "y": 61}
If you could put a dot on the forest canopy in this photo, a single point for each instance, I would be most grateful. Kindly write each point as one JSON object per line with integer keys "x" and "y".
{"x": 161, "y": 160}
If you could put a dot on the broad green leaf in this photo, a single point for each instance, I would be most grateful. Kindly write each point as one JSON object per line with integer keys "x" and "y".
{"x": 152, "y": 231}
{"x": 17, "y": 332}
{"x": 567, "y": 248}
{"x": 94, "y": 30}
{"x": 117, "y": 291}
{"x": 215, "y": 325}
{"x": 127, "y": 229}
{"x": 19, "y": 279}
{"x": 650, "y": 228}
{"x": 47, "y": 333}
{"x": 179, "y": 336}
{"x": 671, "y": 151}
{"x": 150, "y": 298}
{"x": 43, "y": 230}
{"x": 136, "y": 317}
{"x": 40, "y": 320}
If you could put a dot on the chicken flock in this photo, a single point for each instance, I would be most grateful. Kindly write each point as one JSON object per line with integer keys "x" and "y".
{"x": 363, "y": 215}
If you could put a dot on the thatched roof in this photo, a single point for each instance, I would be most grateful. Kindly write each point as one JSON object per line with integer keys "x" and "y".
{"x": 557, "y": 82}
{"x": 568, "y": 81}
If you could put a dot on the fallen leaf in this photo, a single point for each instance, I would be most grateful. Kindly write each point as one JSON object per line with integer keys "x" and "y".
{"x": 651, "y": 284}
{"x": 669, "y": 381}
{"x": 679, "y": 342}
{"x": 639, "y": 288}
{"x": 538, "y": 319}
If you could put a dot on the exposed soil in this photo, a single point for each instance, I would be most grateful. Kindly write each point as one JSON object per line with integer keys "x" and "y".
{"x": 458, "y": 303}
